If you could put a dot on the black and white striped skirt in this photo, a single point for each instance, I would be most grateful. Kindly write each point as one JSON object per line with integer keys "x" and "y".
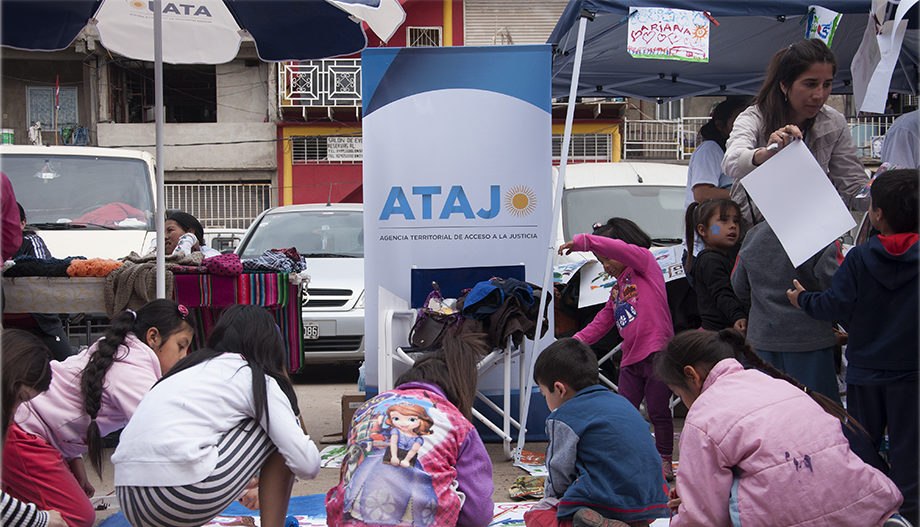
{"x": 241, "y": 454}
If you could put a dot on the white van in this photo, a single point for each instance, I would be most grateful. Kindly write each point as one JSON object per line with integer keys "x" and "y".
{"x": 650, "y": 194}
{"x": 85, "y": 201}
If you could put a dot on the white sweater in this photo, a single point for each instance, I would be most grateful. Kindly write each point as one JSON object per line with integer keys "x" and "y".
{"x": 172, "y": 438}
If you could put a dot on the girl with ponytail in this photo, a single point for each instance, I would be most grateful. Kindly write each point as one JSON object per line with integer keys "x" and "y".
{"x": 224, "y": 414}
{"x": 758, "y": 448}
{"x": 91, "y": 395}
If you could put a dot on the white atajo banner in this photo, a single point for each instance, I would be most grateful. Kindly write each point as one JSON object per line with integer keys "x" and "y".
{"x": 457, "y": 168}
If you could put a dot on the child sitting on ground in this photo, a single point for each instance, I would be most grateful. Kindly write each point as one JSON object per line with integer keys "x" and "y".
{"x": 414, "y": 457}
{"x": 756, "y": 449}
{"x": 92, "y": 394}
{"x": 220, "y": 416}
{"x": 874, "y": 296}
{"x": 603, "y": 468}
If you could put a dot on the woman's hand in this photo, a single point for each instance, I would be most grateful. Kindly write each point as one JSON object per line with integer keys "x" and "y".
{"x": 566, "y": 248}
{"x": 781, "y": 138}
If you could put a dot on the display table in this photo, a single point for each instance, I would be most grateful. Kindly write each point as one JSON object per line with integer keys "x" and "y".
{"x": 205, "y": 295}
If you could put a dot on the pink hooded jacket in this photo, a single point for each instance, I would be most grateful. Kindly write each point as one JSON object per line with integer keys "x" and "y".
{"x": 788, "y": 457}
{"x": 57, "y": 415}
{"x": 638, "y": 303}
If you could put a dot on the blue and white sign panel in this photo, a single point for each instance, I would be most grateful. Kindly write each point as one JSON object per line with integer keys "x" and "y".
{"x": 457, "y": 167}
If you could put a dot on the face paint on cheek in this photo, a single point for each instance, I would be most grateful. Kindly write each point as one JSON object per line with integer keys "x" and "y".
{"x": 715, "y": 229}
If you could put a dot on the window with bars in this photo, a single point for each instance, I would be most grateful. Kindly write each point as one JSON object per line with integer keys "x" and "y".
{"x": 41, "y": 106}
{"x": 423, "y": 37}
{"x": 327, "y": 149}
{"x": 584, "y": 147}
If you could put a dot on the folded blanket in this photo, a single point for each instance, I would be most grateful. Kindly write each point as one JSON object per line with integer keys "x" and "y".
{"x": 134, "y": 284}
{"x": 32, "y": 266}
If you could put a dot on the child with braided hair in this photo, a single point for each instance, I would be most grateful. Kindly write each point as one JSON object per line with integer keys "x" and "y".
{"x": 758, "y": 448}
{"x": 91, "y": 394}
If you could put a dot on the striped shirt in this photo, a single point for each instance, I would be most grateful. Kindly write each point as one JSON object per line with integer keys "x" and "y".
{"x": 16, "y": 513}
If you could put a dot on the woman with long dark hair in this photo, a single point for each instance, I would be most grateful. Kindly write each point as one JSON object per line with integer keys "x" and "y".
{"x": 221, "y": 416}
{"x": 91, "y": 394}
{"x": 789, "y": 106}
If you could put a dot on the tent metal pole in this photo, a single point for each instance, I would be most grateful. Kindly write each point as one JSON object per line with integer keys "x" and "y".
{"x": 160, "y": 206}
{"x": 527, "y": 359}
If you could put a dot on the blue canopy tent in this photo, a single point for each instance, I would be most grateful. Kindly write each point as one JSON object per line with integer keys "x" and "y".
{"x": 740, "y": 47}
{"x": 590, "y": 60}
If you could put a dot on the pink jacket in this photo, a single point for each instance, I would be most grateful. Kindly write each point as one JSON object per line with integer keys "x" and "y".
{"x": 638, "y": 304}
{"x": 57, "y": 415}
{"x": 793, "y": 463}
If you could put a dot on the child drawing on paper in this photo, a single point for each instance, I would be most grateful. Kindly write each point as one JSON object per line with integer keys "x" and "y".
{"x": 409, "y": 422}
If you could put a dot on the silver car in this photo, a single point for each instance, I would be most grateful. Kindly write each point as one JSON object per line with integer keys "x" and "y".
{"x": 331, "y": 237}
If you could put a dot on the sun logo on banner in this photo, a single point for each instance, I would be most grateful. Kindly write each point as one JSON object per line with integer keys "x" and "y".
{"x": 137, "y": 4}
{"x": 520, "y": 201}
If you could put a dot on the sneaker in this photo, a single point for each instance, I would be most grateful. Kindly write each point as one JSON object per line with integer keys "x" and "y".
{"x": 895, "y": 521}
{"x": 667, "y": 469}
{"x": 585, "y": 517}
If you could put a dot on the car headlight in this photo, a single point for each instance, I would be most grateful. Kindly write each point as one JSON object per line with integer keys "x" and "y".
{"x": 360, "y": 303}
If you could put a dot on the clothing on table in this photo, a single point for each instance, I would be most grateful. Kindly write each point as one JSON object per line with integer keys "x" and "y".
{"x": 277, "y": 260}
{"x": 173, "y": 442}
{"x": 828, "y": 140}
{"x": 36, "y": 472}
{"x": 645, "y": 328}
{"x": 600, "y": 455}
{"x": 761, "y": 442}
{"x": 16, "y": 513}
{"x": 719, "y": 307}
{"x": 448, "y": 480}
{"x": 874, "y": 295}
{"x": 11, "y": 227}
{"x": 901, "y": 146}
{"x": 241, "y": 452}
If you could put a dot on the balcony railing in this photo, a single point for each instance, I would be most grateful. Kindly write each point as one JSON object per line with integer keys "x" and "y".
{"x": 320, "y": 83}
{"x": 677, "y": 138}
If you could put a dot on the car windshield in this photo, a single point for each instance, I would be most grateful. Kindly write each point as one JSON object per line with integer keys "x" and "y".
{"x": 659, "y": 211}
{"x": 89, "y": 191}
{"x": 314, "y": 233}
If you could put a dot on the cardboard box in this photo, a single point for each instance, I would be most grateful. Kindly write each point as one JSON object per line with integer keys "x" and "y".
{"x": 350, "y": 403}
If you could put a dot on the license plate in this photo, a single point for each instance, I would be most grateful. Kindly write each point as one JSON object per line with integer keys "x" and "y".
{"x": 310, "y": 331}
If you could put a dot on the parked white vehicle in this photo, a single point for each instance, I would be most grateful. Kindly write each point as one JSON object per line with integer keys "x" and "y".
{"x": 331, "y": 237}
{"x": 650, "y": 194}
{"x": 85, "y": 201}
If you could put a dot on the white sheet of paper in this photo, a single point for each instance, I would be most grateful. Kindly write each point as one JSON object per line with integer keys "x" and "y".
{"x": 798, "y": 201}
{"x": 595, "y": 284}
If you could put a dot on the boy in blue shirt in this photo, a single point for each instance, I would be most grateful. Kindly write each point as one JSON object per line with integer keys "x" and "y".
{"x": 874, "y": 296}
{"x": 604, "y": 469}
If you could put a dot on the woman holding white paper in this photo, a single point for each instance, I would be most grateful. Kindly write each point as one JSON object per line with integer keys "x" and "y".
{"x": 791, "y": 105}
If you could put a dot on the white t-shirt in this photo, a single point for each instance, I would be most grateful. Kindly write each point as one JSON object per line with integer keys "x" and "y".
{"x": 706, "y": 168}
{"x": 901, "y": 147}
{"x": 172, "y": 438}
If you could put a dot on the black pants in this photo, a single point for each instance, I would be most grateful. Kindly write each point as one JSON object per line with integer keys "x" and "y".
{"x": 895, "y": 406}
{"x": 52, "y": 333}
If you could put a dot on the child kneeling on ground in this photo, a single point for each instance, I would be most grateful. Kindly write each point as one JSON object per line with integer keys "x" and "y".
{"x": 604, "y": 470}
{"x": 221, "y": 415}
{"x": 414, "y": 457}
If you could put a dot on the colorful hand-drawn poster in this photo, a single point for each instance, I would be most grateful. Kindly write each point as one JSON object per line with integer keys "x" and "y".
{"x": 822, "y": 24}
{"x": 668, "y": 34}
{"x": 595, "y": 284}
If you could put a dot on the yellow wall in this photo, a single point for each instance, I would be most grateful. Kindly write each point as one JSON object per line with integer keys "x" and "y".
{"x": 612, "y": 129}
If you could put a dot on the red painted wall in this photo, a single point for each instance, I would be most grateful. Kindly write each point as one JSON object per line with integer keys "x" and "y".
{"x": 313, "y": 183}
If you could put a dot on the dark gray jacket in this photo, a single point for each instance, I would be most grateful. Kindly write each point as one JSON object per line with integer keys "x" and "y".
{"x": 762, "y": 274}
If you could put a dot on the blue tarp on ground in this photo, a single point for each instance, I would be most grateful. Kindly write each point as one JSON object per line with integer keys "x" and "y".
{"x": 740, "y": 47}
{"x": 312, "y": 505}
